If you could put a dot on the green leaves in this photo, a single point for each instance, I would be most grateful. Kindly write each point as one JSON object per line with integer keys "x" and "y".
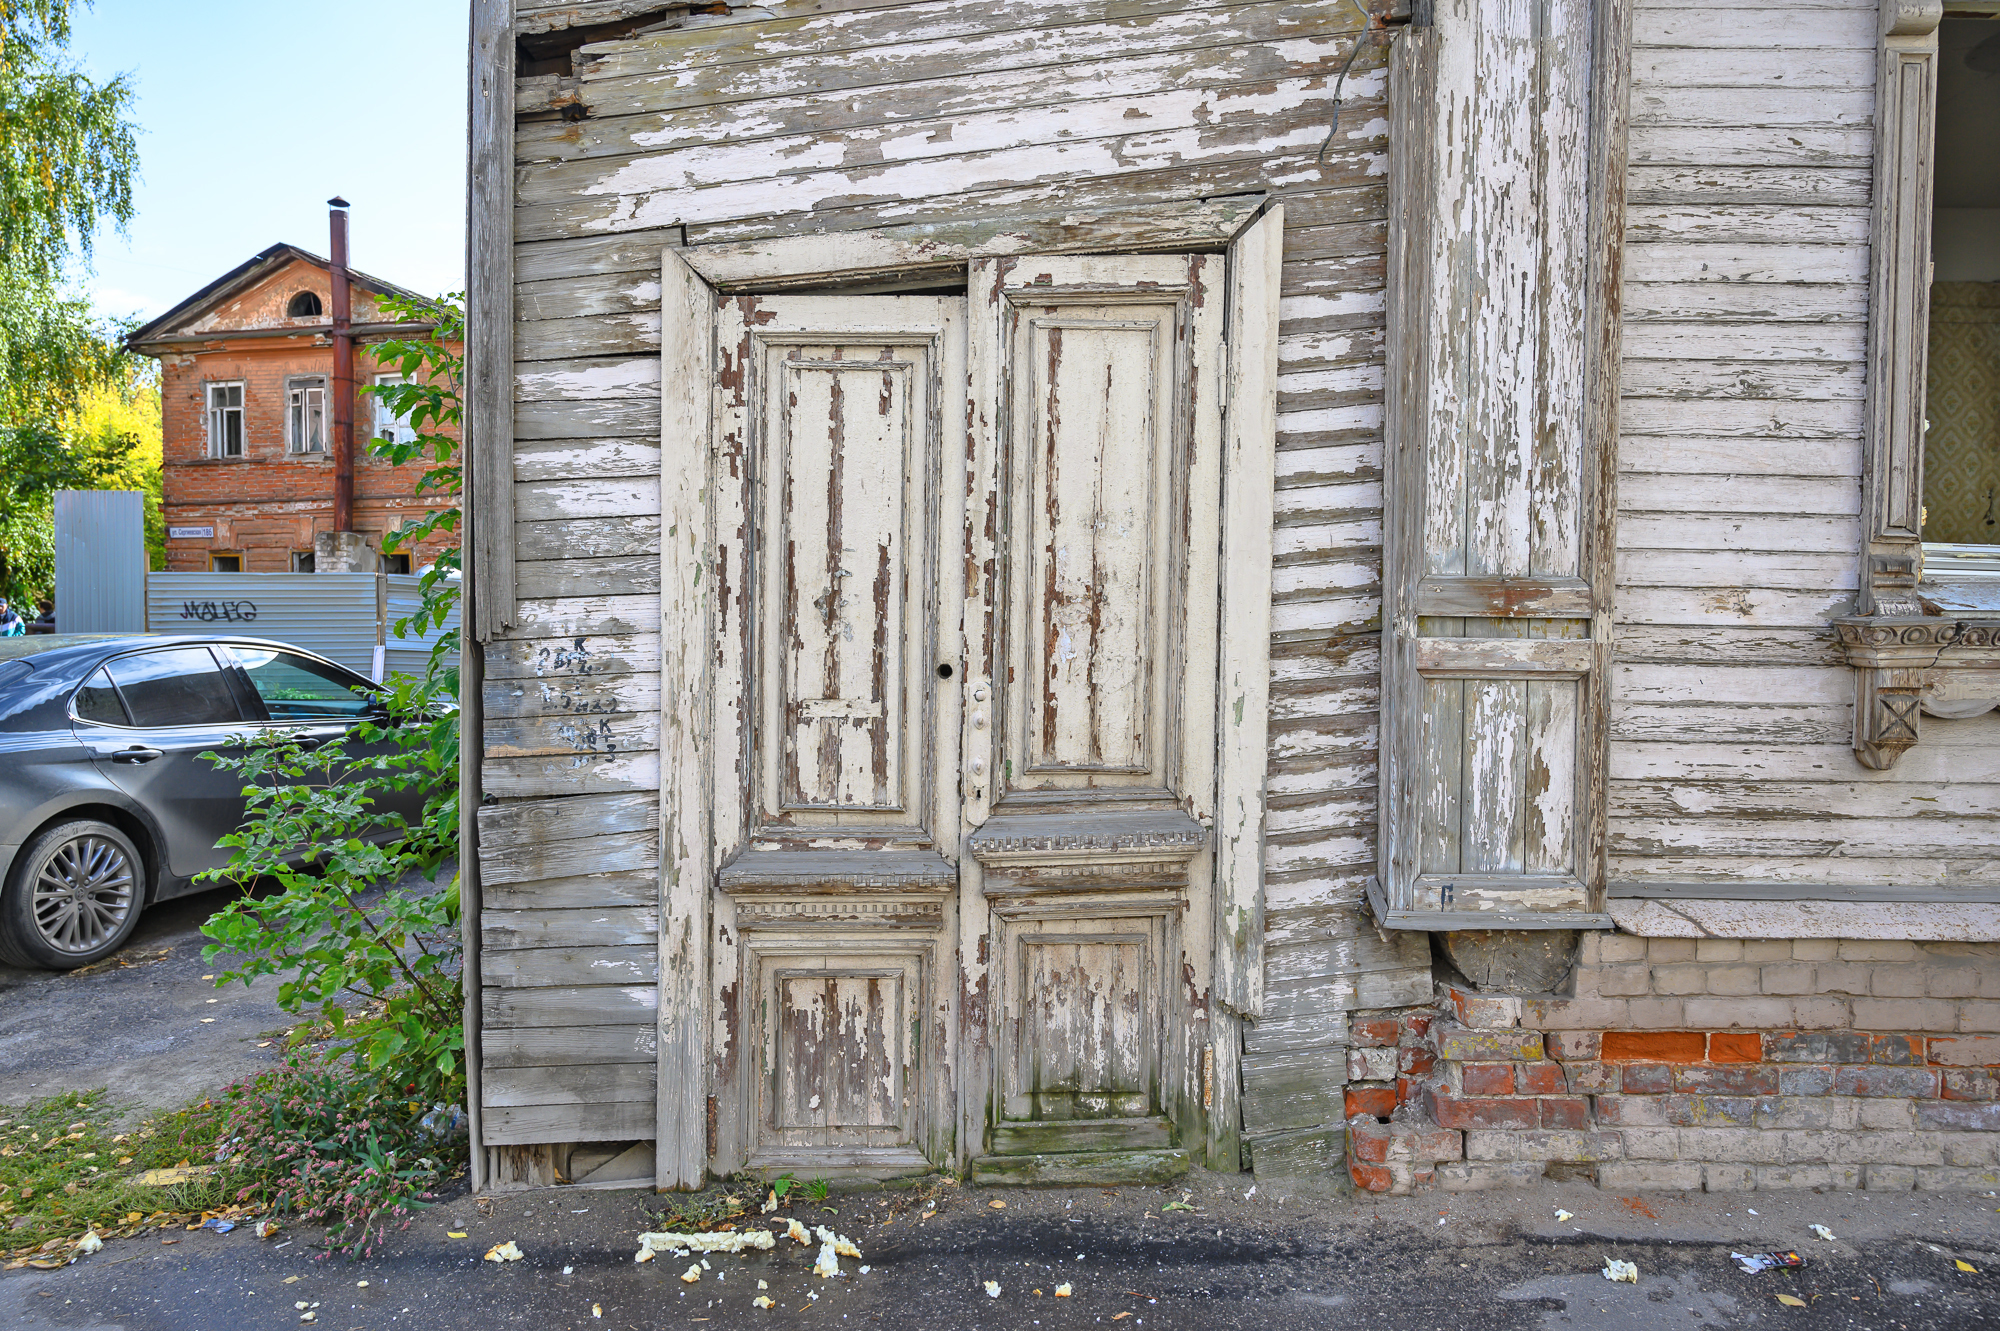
{"x": 378, "y": 962}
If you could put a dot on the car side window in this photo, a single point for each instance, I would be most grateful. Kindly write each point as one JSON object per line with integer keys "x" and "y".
{"x": 298, "y": 688}
{"x": 177, "y": 686}
{"x": 97, "y": 701}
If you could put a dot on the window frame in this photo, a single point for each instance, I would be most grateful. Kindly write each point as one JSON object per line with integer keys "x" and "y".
{"x": 400, "y": 431}
{"x": 239, "y": 691}
{"x": 298, "y": 390}
{"x": 214, "y": 555}
{"x": 1906, "y": 640}
{"x": 214, "y": 418}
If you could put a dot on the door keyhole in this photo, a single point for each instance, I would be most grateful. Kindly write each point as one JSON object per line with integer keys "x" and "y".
{"x": 944, "y": 670}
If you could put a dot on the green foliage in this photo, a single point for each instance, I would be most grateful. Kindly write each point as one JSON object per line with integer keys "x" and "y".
{"x": 328, "y": 1143}
{"x": 68, "y": 152}
{"x": 433, "y": 368}
{"x": 816, "y": 1190}
{"x": 65, "y": 1171}
{"x": 378, "y": 962}
{"x": 36, "y": 460}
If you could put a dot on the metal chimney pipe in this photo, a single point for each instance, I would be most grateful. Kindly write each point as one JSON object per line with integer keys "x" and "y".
{"x": 343, "y": 372}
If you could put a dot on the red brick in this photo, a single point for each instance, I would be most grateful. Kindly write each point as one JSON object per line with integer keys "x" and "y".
{"x": 1539, "y": 1078}
{"x": 1387, "y": 1143}
{"x": 1408, "y": 1089}
{"x": 1900, "y": 1050}
{"x": 1648, "y": 1079}
{"x": 1487, "y": 1078}
{"x": 1374, "y": 1101}
{"x": 1970, "y": 1084}
{"x": 1416, "y": 1025}
{"x": 1565, "y": 1111}
{"x": 1735, "y": 1047}
{"x": 1415, "y": 1062}
{"x": 1374, "y": 1032}
{"x": 1370, "y": 1178}
{"x": 1655, "y": 1046}
{"x": 1451, "y": 1112}
{"x": 1730, "y": 1079}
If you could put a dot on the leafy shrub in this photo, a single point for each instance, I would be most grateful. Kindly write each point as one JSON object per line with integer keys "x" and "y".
{"x": 326, "y": 1142}
{"x": 378, "y": 962}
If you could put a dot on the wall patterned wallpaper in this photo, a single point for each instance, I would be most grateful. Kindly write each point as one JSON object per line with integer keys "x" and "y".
{"x": 1962, "y": 449}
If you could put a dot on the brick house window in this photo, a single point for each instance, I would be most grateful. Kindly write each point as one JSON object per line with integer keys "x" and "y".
{"x": 389, "y": 427}
{"x": 396, "y": 563}
{"x": 305, "y": 415}
{"x": 302, "y": 561}
{"x": 225, "y": 420}
{"x": 305, "y": 305}
{"x": 225, "y": 563}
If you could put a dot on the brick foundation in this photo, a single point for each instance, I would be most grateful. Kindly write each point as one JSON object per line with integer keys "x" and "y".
{"x": 1812, "y": 1087}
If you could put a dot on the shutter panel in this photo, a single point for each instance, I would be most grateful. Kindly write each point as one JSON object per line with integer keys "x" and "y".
{"x": 1503, "y": 354}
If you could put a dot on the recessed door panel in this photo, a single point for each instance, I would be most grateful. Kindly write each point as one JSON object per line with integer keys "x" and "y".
{"x": 1098, "y": 461}
{"x": 1089, "y": 1024}
{"x": 849, "y": 478}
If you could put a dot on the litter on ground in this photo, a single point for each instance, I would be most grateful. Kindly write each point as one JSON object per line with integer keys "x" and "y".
{"x": 504, "y": 1252}
{"x": 692, "y": 1274}
{"x": 1617, "y": 1270}
{"x": 1062, "y": 1290}
{"x": 728, "y": 1241}
{"x": 1754, "y": 1263}
{"x": 992, "y": 1289}
{"x": 1565, "y": 1215}
{"x": 1791, "y": 1301}
{"x": 1823, "y": 1232}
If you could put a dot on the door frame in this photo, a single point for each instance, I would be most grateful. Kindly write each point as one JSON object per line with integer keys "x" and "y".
{"x": 1249, "y": 230}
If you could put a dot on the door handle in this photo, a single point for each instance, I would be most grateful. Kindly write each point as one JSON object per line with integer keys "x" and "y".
{"x": 137, "y": 754}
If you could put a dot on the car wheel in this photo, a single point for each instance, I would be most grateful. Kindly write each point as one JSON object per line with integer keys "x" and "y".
{"x": 74, "y": 896}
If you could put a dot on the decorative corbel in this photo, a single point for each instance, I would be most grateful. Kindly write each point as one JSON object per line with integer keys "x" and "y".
{"x": 1893, "y": 661}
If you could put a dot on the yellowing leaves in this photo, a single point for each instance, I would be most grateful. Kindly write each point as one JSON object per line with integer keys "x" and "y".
{"x": 1791, "y": 1302}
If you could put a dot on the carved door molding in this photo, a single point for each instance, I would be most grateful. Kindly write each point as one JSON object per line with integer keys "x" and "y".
{"x": 943, "y": 733}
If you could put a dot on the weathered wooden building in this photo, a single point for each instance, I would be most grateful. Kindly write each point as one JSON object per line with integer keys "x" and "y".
{"x": 1334, "y": 588}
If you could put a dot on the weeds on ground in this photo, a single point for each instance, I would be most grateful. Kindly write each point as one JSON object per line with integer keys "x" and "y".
{"x": 64, "y": 1172}
{"x": 325, "y": 1142}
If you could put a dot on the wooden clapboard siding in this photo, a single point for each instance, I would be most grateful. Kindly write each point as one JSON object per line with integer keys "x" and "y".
{"x": 834, "y": 117}
{"x": 1744, "y": 372}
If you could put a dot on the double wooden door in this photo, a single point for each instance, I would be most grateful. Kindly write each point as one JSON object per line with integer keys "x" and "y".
{"x": 957, "y": 718}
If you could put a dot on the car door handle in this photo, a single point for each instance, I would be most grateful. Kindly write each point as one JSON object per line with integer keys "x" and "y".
{"x": 137, "y": 754}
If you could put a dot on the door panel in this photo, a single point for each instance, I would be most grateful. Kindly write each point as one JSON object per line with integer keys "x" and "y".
{"x": 1090, "y": 772}
{"x": 832, "y": 720}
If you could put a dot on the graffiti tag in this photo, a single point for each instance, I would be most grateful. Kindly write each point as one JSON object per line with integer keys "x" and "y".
{"x": 210, "y": 611}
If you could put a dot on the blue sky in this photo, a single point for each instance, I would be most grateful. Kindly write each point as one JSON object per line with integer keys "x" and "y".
{"x": 252, "y": 113}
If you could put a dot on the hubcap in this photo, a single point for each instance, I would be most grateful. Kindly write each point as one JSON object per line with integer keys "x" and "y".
{"x": 83, "y": 894}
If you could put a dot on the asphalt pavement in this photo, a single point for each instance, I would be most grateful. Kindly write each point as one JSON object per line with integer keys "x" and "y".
{"x": 142, "y": 1022}
{"x": 1262, "y": 1262}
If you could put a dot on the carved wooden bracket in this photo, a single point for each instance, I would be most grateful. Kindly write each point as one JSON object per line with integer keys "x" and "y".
{"x": 1904, "y": 666}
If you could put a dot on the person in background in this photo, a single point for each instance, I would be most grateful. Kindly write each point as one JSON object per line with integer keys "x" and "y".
{"x": 45, "y": 622}
{"x": 10, "y": 623}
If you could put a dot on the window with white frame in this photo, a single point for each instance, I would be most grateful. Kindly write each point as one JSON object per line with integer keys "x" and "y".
{"x": 390, "y": 427}
{"x": 305, "y": 415}
{"x": 225, "y": 420}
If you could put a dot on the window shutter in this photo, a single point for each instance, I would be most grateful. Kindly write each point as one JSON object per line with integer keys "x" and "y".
{"x": 1506, "y": 182}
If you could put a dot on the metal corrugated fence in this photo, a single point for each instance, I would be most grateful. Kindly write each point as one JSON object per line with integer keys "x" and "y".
{"x": 100, "y": 562}
{"x": 342, "y": 616}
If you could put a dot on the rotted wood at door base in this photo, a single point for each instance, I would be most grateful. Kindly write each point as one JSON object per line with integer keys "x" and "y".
{"x": 570, "y": 683}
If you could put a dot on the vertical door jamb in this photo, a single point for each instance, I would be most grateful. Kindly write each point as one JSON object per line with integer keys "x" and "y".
{"x": 687, "y": 339}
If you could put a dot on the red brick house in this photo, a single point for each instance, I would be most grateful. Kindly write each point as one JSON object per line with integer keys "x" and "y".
{"x": 247, "y": 406}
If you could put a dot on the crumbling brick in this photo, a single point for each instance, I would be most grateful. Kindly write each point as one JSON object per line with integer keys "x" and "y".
{"x": 1963, "y": 1051}
{"x": 1576, "y": 1046}
{"x": 1730, "y": 1079}
{"x": 1900, "y": 1050}
{"x": 1450, "y": 1111}
{"x": 1539, "y": 1078}
{"x": 1969, "y": 1084}
{"x": 1592, "y": 1078}
{"x": 1487, "y": 1078}
{"x": 1885, "y": 1081}
{"x": 1375, "y": 1101}
{"x": 1456, "y": 1044}
{"x": 1565, "y": 1111}
{"x": 1371, "y": 1031}
{"x": 1377, "y": 1064}
{"x": 1702, "y": 1111}
{"x": 1959, "y": 1117}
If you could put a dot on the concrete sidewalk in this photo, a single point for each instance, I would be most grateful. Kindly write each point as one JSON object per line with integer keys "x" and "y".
{"x": 1266, "y": 1262}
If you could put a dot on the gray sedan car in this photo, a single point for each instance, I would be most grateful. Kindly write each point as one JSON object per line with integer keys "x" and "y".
{"x": 105, "y": 804}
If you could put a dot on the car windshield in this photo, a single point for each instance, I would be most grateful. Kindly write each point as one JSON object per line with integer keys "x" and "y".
{"x": 298, "y": 688}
